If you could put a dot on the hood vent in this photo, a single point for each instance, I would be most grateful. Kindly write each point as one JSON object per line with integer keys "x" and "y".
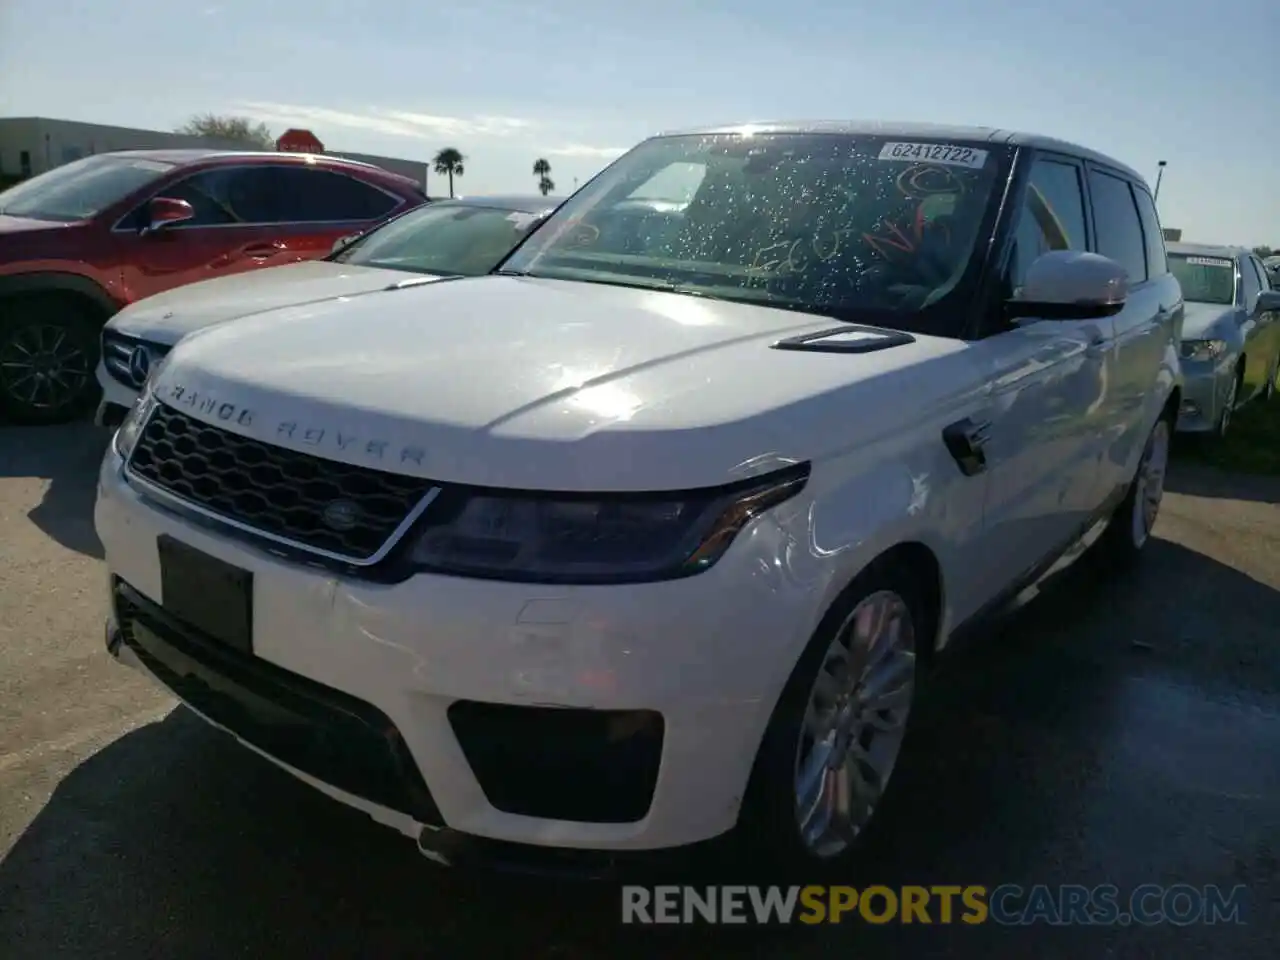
{"x": 847, "y": 339}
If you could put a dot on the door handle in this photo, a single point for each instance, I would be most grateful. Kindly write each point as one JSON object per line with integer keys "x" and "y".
{"x": 260, "y": 251}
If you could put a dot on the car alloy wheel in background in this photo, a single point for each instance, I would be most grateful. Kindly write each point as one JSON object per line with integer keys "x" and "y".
{"x": 44, "y": 370}
{"x": 854, "y": 723}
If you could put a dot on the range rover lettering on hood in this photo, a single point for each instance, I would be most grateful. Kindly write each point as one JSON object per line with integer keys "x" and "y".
{"x": 178, "y": 395}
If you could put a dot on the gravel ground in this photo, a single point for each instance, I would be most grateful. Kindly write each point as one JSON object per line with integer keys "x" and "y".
{"x": 1112, "y": 731}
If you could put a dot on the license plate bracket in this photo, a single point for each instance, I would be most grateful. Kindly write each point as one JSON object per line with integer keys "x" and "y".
{"x": 206, "y": 593}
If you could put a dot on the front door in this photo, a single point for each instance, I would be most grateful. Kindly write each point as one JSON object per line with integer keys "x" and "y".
{"x": 1049, "y": 395}
{"x": 232, "y": 231}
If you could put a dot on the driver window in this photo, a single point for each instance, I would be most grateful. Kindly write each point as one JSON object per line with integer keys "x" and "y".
{"x": 1052, "y": 217}
{"x": 1249, "y": 286}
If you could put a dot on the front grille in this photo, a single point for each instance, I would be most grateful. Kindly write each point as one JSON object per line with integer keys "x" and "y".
{"x": 276, "y": 491}
{"x": 118, "y": 356}
{"x": 336, "y": 738}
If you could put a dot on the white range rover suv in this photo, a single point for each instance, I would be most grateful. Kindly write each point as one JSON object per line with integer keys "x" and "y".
{"x": 652, "y": 533}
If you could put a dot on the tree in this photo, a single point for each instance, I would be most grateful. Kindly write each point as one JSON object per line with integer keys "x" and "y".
{"x": 237, "y": 129}
{"x": 1263, "y": 252}
{"x": 448, "y": 163}
{"x": 542, "y": 170}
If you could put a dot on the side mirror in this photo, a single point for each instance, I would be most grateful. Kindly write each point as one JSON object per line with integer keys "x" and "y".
{"x": 1071, "y": 285}
{"x": 165, "y": 212}
{"x": 1268, "y": 300}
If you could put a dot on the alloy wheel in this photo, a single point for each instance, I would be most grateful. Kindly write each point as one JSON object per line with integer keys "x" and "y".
{"x": 854, "y": 723}
{"x": 1149, "y": 484}
{"x": 42, "y": 366}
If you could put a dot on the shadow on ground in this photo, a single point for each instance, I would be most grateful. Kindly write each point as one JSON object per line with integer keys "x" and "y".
{"x": 68, "y": 457}
{"x": 1122, "y": 731}
{"x": 1201, "y": 480}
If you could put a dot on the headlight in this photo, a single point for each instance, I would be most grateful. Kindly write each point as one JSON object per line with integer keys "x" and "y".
{"x": 131, "y": 427}
{"x": 1203, "y": 349}
{"x": 592, "y": 539}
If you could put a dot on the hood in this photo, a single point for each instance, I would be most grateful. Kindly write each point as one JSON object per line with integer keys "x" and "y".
{"x": 553, "y": 385}
{"x": 168, "y": 317}
{"x": 1203, "y": 321}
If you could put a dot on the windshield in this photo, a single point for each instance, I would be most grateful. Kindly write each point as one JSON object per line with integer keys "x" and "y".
{"x": 449, "y": 239}
{"x": 849, "y": 226}
{"x": 1205, "y": 279}
{"x": 80, "y": 190}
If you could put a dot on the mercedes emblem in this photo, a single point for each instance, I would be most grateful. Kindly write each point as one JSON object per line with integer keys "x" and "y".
{"x": 139, "y": 365}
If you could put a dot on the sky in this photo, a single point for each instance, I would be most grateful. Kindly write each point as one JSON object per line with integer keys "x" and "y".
{"x": 579, "y": 81}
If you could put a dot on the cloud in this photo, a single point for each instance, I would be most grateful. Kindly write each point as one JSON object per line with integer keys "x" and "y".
{"x": 395, "y": 123}
{"x": 583, "y": 150}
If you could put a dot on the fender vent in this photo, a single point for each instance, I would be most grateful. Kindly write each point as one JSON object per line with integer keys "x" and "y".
{"x": 846, "y": 339}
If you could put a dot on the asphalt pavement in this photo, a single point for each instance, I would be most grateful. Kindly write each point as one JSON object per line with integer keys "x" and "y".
{"x": 1115, "y": 730}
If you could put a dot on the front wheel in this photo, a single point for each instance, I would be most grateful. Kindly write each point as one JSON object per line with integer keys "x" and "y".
{"x": 48, "y": 351}
{"x": 838, "y": 728}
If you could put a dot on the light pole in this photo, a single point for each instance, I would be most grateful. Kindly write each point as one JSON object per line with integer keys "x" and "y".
{"x": 1159, "y": 177}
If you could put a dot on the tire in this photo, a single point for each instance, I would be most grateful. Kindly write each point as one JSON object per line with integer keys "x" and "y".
{"x": 773, "y": 824}
{"x": 1129, "y": 529}
{"x": 48, "y": 355}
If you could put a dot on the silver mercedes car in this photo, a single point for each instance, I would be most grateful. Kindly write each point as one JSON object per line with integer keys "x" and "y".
{"x": 1230, "y": 333}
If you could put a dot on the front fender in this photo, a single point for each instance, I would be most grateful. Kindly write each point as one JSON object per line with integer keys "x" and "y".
{"x": 903, "y": 488}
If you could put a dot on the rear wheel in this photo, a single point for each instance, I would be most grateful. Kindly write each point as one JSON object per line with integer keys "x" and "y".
{"x": 48, "y": 352}
{"x": 1131, "y": 525}
{"x": 838, "y": 729}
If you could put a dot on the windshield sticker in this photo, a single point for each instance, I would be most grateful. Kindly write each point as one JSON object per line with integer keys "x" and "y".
{"x": 1209, "y": 262}
{"x": 952, "y": 155}
{"x": 922, "y": 180}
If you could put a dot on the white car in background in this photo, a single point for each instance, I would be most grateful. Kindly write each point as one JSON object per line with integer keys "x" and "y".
{"x": 1230, "y": 334}
{"x": 652, "y": 534}
{"x": 441, "y": 239}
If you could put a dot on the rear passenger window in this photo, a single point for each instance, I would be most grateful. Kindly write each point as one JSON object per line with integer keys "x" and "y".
{"x": 1157, "y": 261}
{"x": 1116, "y": 220}
{"x": 313, "y": 196}
{"x": 1052, "y": 216}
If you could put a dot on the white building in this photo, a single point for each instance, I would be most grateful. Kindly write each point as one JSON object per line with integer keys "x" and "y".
{"x": 31, "y": 145}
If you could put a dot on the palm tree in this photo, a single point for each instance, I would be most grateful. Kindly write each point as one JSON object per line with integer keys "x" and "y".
{"x": 546, "y": 185}
{"x": 448, "y": 163}
{"x": 541, "y": 170}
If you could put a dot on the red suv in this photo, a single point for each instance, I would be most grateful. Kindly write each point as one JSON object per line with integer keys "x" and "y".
{"x": 83, "y": 240}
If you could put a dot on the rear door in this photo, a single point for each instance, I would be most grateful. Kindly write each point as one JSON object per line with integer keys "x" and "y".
{"x": 1253, "y": 330}
{"x": 1262, "y": 340}
{"x": 315, "y": 206}
{"x": 1139, "y": 327}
